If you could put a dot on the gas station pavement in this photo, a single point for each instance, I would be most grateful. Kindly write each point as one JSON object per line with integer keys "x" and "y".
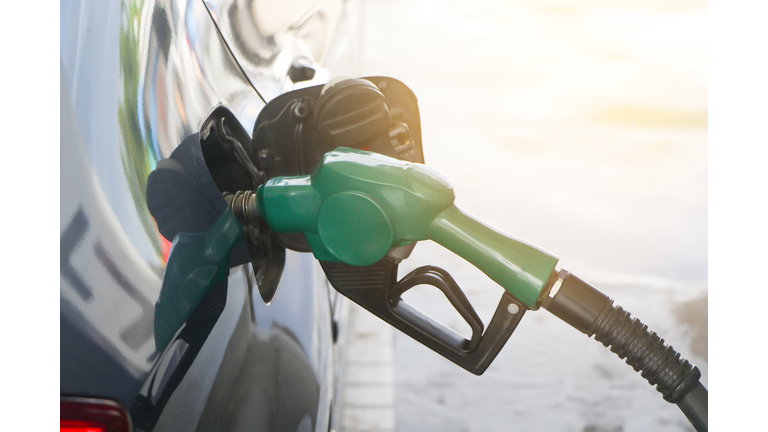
{"x": 368, "y": 385}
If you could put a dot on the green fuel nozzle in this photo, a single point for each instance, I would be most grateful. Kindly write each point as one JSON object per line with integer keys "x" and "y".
{"x": 360, "y": 212}
{"x": 357, "y": 206}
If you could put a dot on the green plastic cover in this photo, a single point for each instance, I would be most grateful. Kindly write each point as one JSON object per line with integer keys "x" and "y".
{"x": 358, "y": 205}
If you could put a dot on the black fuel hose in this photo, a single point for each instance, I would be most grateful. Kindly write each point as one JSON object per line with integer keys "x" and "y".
{"x": 593, "y": 313}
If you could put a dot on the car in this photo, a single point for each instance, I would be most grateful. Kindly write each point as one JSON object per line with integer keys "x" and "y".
{"x": 156, "y": 99}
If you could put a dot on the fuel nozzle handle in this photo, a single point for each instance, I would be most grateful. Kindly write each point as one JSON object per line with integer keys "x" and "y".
{"x": 357, "y": 206}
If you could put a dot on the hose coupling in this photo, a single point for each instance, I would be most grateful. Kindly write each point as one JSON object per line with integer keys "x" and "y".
{"x": 244, "y": 206}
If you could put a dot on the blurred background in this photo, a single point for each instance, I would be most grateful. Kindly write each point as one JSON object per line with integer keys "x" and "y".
{"x": 580, "y": 126}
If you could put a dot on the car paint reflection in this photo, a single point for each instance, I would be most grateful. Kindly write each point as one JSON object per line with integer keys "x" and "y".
{"x": 267, "y": 38}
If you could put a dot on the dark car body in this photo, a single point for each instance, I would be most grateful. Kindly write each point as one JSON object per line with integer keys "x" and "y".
{"x": 139, "y": 80}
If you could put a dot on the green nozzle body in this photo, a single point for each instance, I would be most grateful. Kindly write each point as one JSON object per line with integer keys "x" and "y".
{"x": 358, "y": 205}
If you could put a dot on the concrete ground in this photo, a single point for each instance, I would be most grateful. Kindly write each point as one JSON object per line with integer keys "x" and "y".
{"x": 581, "y": 127}
{"x": 368, "y": 385}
